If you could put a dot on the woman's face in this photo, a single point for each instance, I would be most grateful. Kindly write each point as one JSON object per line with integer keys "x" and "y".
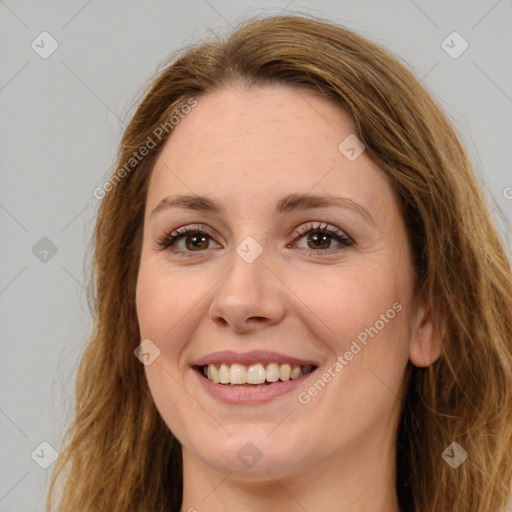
{"x": 278, "y": 280}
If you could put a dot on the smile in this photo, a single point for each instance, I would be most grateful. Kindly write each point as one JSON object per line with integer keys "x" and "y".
{"x": 258, "y": 374}
{"x": 251, "y": 378}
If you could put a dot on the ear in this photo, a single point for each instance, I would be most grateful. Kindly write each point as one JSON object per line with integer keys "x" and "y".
{"x": 425, "y": 345}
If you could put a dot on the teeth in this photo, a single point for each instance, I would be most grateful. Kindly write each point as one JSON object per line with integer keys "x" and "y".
{"x": 213, "y": 373}
{"x": 272, "y": 372}
{"x": 223, "y": 374}
{"x": 284, "y": 372}
{"x": 256, "y": 374}
{"x": 295, "y": 372}
{"x": 238, "y": 374}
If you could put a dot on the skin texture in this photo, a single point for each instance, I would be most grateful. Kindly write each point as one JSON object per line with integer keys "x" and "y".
{"x": 248, "y": 148}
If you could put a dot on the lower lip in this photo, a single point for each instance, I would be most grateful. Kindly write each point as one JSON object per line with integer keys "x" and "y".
{"x": 235, "y": 395}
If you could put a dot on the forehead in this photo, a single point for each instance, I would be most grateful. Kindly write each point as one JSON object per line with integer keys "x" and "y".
{"x": 261, "y": 142}
{"x": 247, "y": 124}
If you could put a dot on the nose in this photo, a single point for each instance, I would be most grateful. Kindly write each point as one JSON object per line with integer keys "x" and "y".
{"x": 249, "y": 297}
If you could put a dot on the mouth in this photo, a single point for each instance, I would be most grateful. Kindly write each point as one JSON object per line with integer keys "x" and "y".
{"x": 253, "y": 375}
{"x": 251, "y": 378}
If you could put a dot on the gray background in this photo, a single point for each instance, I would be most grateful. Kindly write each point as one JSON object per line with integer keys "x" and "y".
{"x": 62, "y": 118}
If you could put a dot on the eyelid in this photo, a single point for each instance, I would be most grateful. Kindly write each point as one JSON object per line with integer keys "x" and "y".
{"x": 343, "y": 239}
{"x": 320, "y": 226}
{"x": 182, "y": 231}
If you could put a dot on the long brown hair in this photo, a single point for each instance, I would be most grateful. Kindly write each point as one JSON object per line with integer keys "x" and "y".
{"x": 119, "y": 455}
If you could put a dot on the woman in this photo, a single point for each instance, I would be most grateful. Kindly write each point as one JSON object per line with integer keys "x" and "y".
{"x": 301, "y": 302}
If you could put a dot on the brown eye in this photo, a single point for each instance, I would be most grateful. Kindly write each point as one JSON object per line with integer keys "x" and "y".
{"x": 193, "y": 241}
{"x": 196, "y": 242}
{"x": 187, "y": 240}
{"x": 318, "y": 239}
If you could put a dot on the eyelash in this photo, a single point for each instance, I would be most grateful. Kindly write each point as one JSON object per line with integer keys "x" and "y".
{"x": 167, "y": 240}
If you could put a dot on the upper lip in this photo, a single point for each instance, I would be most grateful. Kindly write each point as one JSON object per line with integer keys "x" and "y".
{"x": 253, "y": 357}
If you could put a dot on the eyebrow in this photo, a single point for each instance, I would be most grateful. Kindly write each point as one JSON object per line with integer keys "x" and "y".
{"x": 291, "y": 202}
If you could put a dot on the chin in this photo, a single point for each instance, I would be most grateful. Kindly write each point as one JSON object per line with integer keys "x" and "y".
{"x": 250, "y": 455}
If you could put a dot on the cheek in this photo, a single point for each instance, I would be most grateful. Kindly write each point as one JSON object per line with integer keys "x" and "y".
{"x": 349, "y": 300}
{"x": 364, "y": 318}
{"x": 171, "y": 303}
{"x": 362, "y": 315}
{"x": 162, "y": 299}
{"x": 167, "y": 307}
